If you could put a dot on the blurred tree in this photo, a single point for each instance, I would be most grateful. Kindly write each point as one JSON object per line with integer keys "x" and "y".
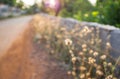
{"x": 33, "y": 9}
{"x": 76, "y": 9}
{"x": 105, "y": 11}
{"x": 9, "y": 2}
{"x": 20, "y": 4}
{"x": 109, "y": 12}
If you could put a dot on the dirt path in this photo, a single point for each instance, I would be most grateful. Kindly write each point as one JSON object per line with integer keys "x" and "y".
{"x": 40, "y": 64}
{"x": 45, "y": 66}
{"x": 10, "y": 29}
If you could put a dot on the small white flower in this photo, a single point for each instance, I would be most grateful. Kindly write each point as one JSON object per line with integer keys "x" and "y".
{"x": 91, "y": 60}
{"x": 82, "y": 76}
{"x": 99, "y": 72}
{"x": 108, "y": 44}
{"x": 68, "y": 42}
{"x": 109, "y": 77}
{"x": 82, "y": 68}
{"x": 109, "y": 64}
{"x": 95, "y": 54}
{"x": 81, "y": 53}
{"x": 103, "y": 57}
{"x": 84, "y": 46}
{"x": 91, "y": 51}
{"x": 74, "y": 59}
{"x": 69, "y": 72}
{"x": 105, "y": 63}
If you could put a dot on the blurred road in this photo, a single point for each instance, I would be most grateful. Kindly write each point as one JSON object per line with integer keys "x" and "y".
{"x": 12, "y": 22}
{"x": 10, "y": 28}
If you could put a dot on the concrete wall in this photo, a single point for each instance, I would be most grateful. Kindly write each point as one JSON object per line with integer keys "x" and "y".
{"x": 105, "y": 30}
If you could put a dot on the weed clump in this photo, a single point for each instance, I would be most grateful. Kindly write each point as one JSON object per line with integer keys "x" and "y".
{"x": 81, "y": 49}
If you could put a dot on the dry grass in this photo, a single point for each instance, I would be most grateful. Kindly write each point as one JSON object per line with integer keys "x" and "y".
{"x": 80, "y": 49}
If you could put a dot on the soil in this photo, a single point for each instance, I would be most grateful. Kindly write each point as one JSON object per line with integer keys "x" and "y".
{"x": 46, "y": 66}
{"x": 21, "y": 60}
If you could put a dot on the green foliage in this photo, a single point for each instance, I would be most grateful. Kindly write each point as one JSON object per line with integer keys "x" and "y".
{"x": 76, "y": 9}
{"x": 109, "y": 12}
{"x": 9, "y": 2}
{"x": 20, "y": 4}
{"x": 105, "y": 11}
{"x": 32, "y": 9}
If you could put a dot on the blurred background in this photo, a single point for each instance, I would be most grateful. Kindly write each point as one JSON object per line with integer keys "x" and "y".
{"x": 101, "y": 11}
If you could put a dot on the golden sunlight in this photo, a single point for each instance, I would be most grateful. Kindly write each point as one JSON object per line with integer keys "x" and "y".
{"x": 30, "y": 2}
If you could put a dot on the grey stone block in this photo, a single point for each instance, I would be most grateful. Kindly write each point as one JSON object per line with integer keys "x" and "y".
{"x": 115, "y": 43}
{"x": 105, "y": 31}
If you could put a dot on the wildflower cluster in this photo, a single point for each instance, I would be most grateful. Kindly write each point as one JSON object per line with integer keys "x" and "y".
{"x": 89, "y": 62}
{"x": 80, "y": 48}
